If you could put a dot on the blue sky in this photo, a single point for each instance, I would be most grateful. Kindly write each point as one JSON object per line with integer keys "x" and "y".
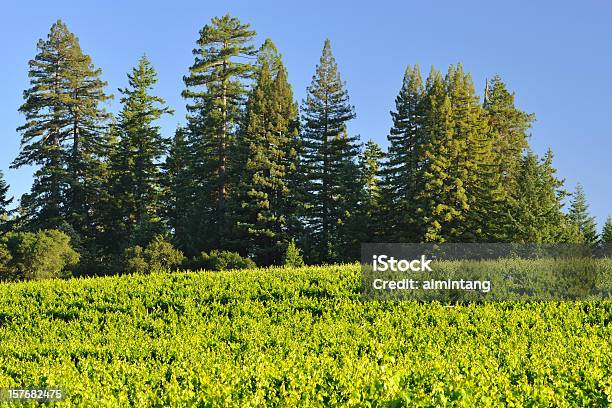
{"x": 556, "y": 57}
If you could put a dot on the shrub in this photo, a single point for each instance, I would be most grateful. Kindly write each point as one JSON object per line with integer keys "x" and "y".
{"x": 159, "y": 254}
{"x": 40, "y": 255}
{"x": 293, "y": 256}
{"x": 221, "y": 261}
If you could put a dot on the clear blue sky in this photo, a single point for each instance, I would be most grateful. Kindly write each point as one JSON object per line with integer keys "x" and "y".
{"x": 556, "y": 57}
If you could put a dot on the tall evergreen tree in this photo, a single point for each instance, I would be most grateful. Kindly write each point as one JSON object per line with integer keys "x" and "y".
{"x": 472, "y": 157}
{"x": 442, "y": 197}
{"x": 328, "y": 159}
{"x": 508, "y": 127}
{"x": 265, "y": 162}
{"x": 606, "y": 232}
{"x": 64, "y": 135}
{"x": 536, "y": 214}
{"x": 579, "y": 215}
{"x": 179, "y": 195}
{"x": 5, "y": 202}
{"x": 216, "y": 92}
{"x": 136, "y": 173}
{"x": 371, "y": 221}
{"x": 404, "y": 159}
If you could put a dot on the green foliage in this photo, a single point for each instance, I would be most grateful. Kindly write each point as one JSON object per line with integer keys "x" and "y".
{"x": 328, "y": 159}
{"x": 178, "y": 193}
{"x": 606, "y": 232}
{"x": 579, "y": 216}
{"x": 215, "y": 90}
{"x": 265, "y": 163}
{"x": 508, "y": 127}
{"x": 135, "y": 175}
{"x": 370, "y": 220}
{"x": 34, "y": 256}
{"x": 247, "y": 172}
{"x": 5, "y": 201}
{"x": 442, "y": 200}
{"x": 63, "y": 135}
{"x": 536, "y": 205}
{"x": 158, "y": 255}
{"x": 401, "y": 171}
{"x": 216, "y": 260}
{"x": 293, "y": 256}
{"x": 282, "y": 337}
{"x": 5, "y": 259}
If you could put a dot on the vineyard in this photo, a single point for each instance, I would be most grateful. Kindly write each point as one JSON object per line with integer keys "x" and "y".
{"x": 281, "y": 337}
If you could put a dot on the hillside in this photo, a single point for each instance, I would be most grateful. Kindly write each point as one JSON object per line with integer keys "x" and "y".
{"x": 294, "y": 338}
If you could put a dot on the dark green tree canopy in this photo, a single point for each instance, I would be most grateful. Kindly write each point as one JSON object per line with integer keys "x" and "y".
{"x": 135, "y": 162}
{"x": 606, "y": 232}
{"x": 64, "y": 132}
{"x": 579, "y": 215}
{"x": 265, "y": 157}
{"x": 328, "y": 158}
{"x": 216, "y": 91}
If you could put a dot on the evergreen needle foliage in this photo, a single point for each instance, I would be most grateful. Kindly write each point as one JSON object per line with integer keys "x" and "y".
{"x": 253, "y": 175}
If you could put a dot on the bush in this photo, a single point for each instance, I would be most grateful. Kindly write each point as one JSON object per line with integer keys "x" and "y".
{"x": 159, "y": 254}
{"x": 293, "y": 256}
{"x": 33, "y": 256}
{"x": 222, "y": 261}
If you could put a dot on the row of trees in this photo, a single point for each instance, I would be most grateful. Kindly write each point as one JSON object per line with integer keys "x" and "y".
{"x": 251, "y": 171}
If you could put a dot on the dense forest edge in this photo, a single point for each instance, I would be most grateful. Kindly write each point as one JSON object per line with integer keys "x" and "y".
{"x": 255, "y": 179}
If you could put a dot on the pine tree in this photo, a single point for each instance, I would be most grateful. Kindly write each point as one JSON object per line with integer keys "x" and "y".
{"x": 606, "y": 232}
{"x": 371, "y": 221}
{"x": 64, "y": 135}
{"x": 265, "y": 162}
{"x": 472, "y": 157}
{"x": 5, "y": 202}
{"x": 401, "y": 169}
{"x": 216, "y": 93}
{"x": 442, "y": 198}
{"x": 328, "y": 159}
{"x": 536, "y": 205}
{"x": 579, "y": 215}
{"x": 508, "y": 127}
{"x": 293, "y": 256}
{"x": 179, "y": 195}
{"x": 135, "y": 162}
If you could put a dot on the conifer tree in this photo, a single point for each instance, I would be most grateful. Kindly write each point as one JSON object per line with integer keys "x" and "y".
{"x": 401, "y": 169}
{"x": 536, "y": 214}
{"x": 179, "y": 194}
{"x": 328, "y": 160}
{"x": 442, "y": 198}
{"x": 5, "y": 201}
{"x": 606, "y": 232}
{"x": 216, "y": 92}
{"x": 265, "y": 162}
{"x": 135, "y": 162}
{"x": 471, "y": 157}
{"x": 64, "y": 135}
{"x": 579, "y": 215}
{"x": 293, "y": 256}
{"x": 508, "y": 127}
{"x": 371, "y": 221}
